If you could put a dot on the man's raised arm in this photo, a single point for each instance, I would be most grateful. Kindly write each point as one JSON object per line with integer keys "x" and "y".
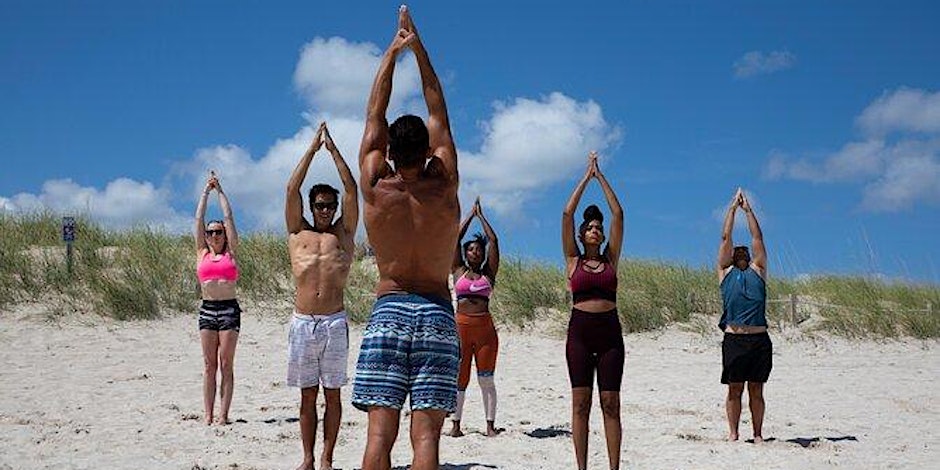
{"x": 294, "y": 205}
{"x": 350, "y": 214}
{"x": 441, "y": 139}
{"x": 375, "y": 138}
{"x": 726, "y": 248}
{"x": 757, "y": 237}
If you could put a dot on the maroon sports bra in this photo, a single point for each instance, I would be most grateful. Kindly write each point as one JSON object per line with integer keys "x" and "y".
{"x": 586, "y": 285}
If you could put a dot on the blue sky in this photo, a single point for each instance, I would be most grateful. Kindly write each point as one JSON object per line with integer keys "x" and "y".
{"x": 827, "y": 113}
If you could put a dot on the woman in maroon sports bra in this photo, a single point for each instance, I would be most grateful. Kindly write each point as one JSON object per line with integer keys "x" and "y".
{"x": 595, "y": 341}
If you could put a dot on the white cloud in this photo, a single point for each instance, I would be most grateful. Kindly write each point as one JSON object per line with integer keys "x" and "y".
{"x": 905, "y": 109}
{"x": 527, "y": 145}
{"x": 897, "y": 173}
{"x": 335, "y": 76}
{"x": 123, "y": 202}
{"x": 758, "y": 63}
{"x": 531, "y": 144}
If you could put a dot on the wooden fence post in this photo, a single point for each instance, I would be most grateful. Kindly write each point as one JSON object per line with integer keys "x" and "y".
{"x": 793, "y": 301}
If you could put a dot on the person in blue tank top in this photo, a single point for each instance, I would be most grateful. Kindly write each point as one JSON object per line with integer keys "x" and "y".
{"x": 746, "y": 348}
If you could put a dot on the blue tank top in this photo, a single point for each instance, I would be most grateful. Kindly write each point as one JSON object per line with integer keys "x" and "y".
{"x": 744, "y": 298}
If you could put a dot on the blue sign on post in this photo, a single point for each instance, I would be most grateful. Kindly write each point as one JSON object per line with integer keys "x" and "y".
{"x": 68, "y": 229}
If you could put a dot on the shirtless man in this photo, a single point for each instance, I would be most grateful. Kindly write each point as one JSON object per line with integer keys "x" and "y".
{"x": 410, "y": 346}
{"x": 320, "y": 256}
{"x": 746, "y": 348}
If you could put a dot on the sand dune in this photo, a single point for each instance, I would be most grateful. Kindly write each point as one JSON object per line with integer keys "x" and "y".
{"x": 91, "y": 393}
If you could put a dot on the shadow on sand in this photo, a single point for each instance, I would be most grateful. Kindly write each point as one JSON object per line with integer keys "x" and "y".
{"x": 552, "y": 431}
{"x": 809, "y": 441}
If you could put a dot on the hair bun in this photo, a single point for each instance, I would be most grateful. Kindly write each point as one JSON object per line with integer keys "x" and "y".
{"x": 592, "y": 212}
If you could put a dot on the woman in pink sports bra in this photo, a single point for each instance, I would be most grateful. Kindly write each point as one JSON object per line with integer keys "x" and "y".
{"x": 595, "y": 340}
{"x": 219, "y": 313}
{"x": 475, "y": 275}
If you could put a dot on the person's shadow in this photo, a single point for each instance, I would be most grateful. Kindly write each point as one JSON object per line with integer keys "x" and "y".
{"x": 552, "y": 431}
{"x": 454, "y": 466}
{"x": 810, "y": 441}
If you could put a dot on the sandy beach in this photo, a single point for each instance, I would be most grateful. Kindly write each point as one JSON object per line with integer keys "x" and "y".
{"x": 85, "y": 392}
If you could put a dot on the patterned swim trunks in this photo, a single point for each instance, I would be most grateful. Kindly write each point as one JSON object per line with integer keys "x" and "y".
{"x": 317, "y": 350}
{"x": 409, "y": 347}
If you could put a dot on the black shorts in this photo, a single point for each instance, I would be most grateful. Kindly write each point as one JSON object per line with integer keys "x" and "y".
{"x": 220, "y": 315}
{"x": 595, "y": 342}
{"x": 746, "y": 358}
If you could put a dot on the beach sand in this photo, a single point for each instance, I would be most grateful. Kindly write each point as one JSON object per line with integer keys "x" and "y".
{"x": 85, "y": 392}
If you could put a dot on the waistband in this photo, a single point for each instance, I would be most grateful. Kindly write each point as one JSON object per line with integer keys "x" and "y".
{"x": 609, "y": 313}
{"x": 340, "y": 315}
{"x": 415, "y": 299}
{"x": 762, "y": 334}
{"x": 220, "y": 304}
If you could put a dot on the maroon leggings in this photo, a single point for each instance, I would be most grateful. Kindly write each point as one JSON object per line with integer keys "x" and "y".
{"x": 594, "y": 342}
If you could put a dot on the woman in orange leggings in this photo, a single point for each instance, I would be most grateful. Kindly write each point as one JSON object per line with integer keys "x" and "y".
{"x": 474, "y": 277}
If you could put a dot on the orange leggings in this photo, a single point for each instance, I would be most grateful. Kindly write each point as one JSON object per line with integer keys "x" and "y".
{"x": 477, "y": 340}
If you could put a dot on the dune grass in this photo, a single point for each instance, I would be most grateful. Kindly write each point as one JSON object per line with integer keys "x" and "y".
{"x": 140, "y": 274}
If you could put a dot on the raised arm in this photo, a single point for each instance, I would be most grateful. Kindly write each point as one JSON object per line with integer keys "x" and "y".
{"x": 458, "y": 255}
{"x": 568, "y": 242}
{"x": 230, "y": 233}
{"x": 199, "y": 232}
{"x": 350, "y": 214}
{"x": 726, "y": 248}
{"x": 372, "y": 165}
{"x": 441, "y": 139}
{"x": 492, "y": 250}
{"x": 294, "y": 203}
{"x": 759, "y": 257}
{"x": 615, "y": 244}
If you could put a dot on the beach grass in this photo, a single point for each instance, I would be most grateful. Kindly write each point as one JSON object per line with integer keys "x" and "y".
{"x": 142, "y": 273}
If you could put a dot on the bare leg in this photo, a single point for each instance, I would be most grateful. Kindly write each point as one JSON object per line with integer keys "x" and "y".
{"x": 580, "y": 415}
{"x": 331, "y": 422}
{"x": 455, "y": 430}
{"x": 425, "y": 438}
{"x": 755, "y": 399}
{"x": 733, "y": 408}
{"x": 383, "y": 429}
{"x": 613, "y": 431}
{"x": 227, "y": 341}
{"x": 308, "y": 424}
{"x": 210, "y": 357}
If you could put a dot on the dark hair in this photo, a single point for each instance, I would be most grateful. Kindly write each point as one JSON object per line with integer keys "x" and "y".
{"x": 323, "y": 189}
{"x": 408, "y": 141}
{"x": 742, "y": 247}
{"x": 477, "y": 238}
{"x": 591, "y": 213}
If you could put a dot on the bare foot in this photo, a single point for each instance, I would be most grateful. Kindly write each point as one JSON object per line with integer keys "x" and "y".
{"x": 307, "y": 465}
{"x": 492, "y": 430}
{"x": 455, "y": 431}
{"x": 324, "y": 465}
{"x": 223, "y": 421}
{"x": 758, "y": 439}
{"x": 208, "y": 420}
{"x": 733, "y": 436}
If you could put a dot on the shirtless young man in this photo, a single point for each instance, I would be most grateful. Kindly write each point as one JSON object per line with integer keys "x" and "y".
{"x": 410, "y": 346}
{"x": 320, "y": 256}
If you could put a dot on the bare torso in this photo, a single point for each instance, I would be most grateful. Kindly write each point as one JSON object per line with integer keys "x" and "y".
{"x": 218, "y": 290}
{"x": 320, "y": 264}
{"x": 412, "y": 227}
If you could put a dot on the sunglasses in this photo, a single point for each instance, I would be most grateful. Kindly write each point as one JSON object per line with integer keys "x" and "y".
{"x": 325, "y": 205}
{"x": 215, "y": 232}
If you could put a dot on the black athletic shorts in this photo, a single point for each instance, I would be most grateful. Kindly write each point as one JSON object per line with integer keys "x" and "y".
{"x": 220, "y": 315}
{"x": 746, "y": 358}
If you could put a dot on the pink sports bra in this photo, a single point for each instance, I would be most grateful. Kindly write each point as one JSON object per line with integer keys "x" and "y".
{"x": 480, "y": 287}
{"x": 222, "y": 269}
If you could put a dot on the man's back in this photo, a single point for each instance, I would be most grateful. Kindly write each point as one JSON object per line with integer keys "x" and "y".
{"x": 413, "y": 228}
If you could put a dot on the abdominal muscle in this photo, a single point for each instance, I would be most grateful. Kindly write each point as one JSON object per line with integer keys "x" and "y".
{"x": 595, "y": 306}
{"x": 218, "y": 290}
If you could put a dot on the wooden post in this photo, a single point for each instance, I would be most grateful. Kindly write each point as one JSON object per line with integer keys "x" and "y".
{"x": 68, "y": 236}
{"x": 793, "y": 301}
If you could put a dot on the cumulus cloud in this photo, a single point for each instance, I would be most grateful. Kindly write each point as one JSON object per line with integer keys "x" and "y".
{"x": 527, "y": 145}
{"x": 530, "y": 144}
{"x": 905, "y": 109}
{"x": 758, "y": 63}
{"x": 123, "y": 202}
{"x": 897, "y": 172}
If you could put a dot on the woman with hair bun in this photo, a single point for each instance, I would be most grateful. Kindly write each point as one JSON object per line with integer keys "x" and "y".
{"x": 595, "y": 341}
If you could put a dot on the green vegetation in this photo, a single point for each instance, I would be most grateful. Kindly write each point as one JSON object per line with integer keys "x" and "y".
{"x": 141, "y": 274}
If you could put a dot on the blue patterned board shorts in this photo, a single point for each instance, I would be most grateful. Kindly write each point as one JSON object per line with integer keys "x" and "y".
{"x": 410, "y": 346}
